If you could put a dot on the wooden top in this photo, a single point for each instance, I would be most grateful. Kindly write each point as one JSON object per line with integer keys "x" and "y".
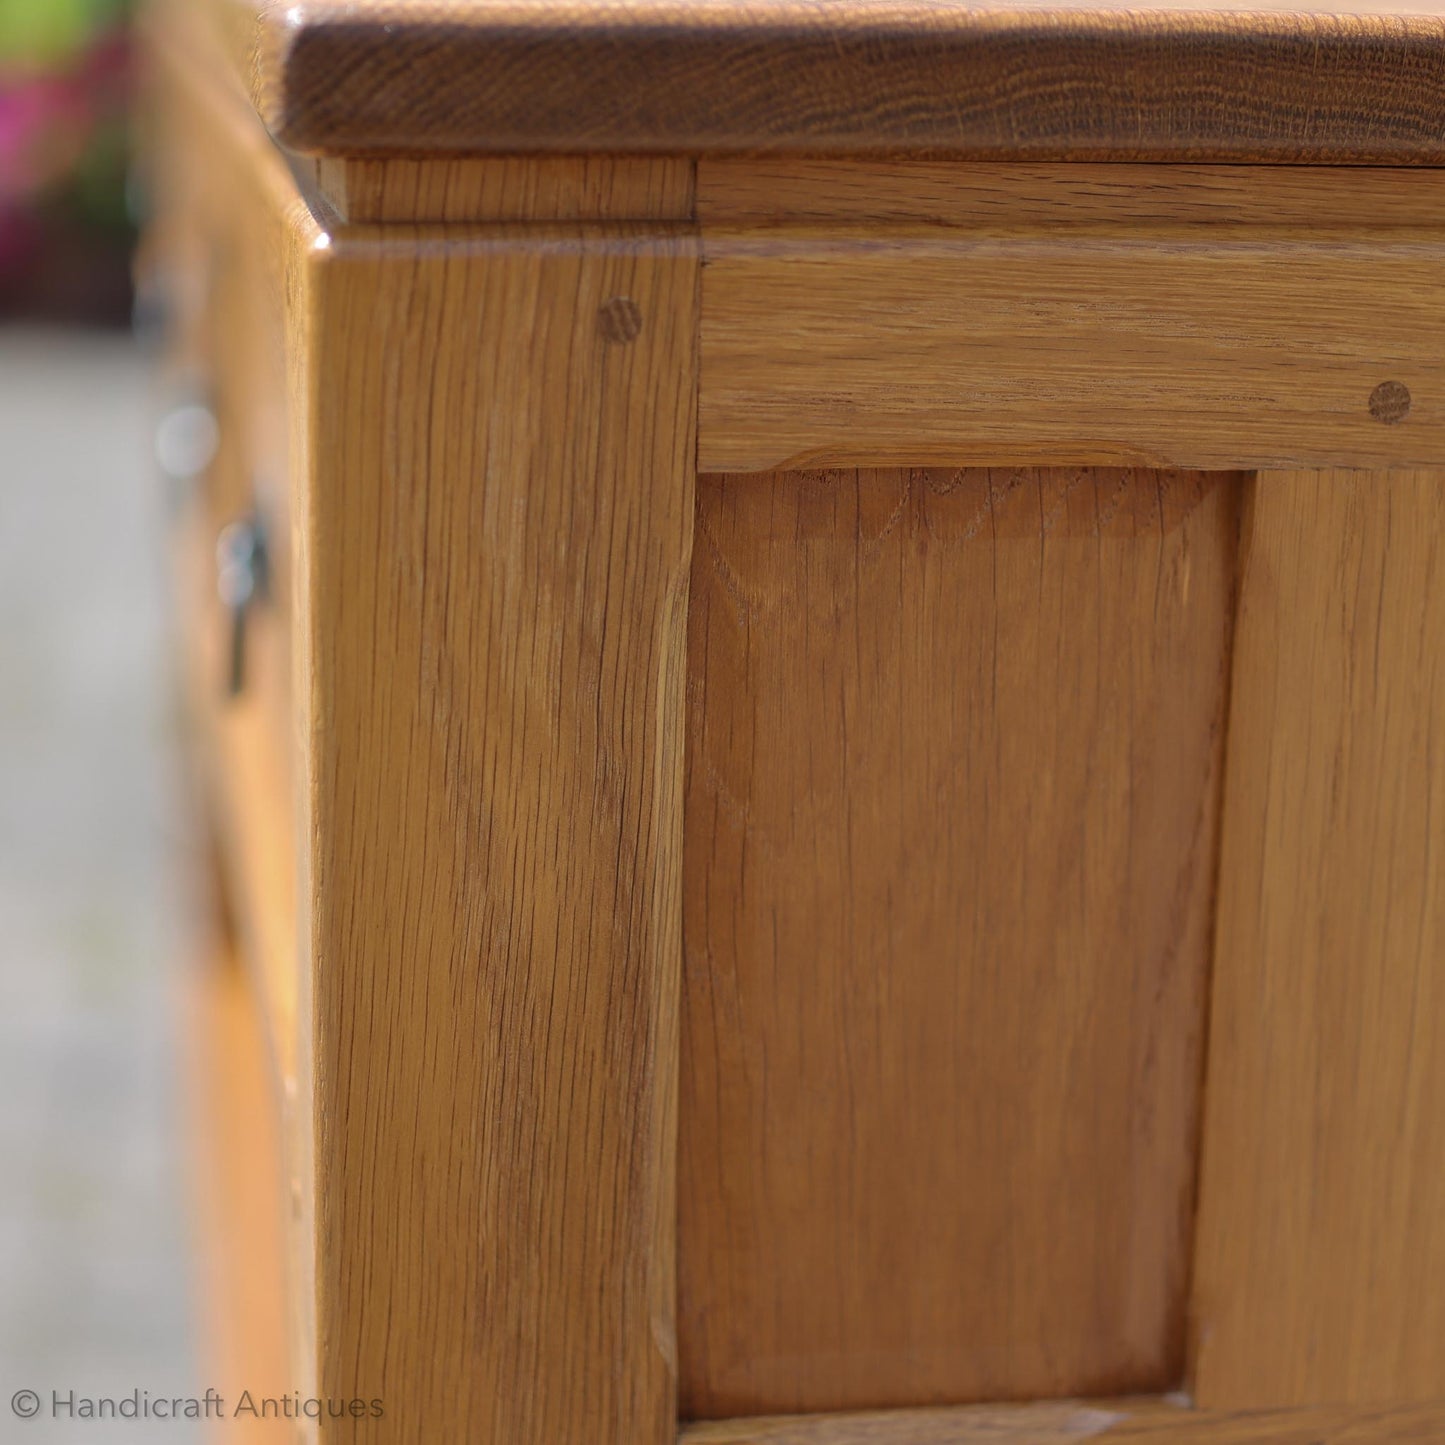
{"x": 1339, "y": 81}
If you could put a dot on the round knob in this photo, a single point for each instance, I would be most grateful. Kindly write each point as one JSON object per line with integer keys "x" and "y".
{"x": 186, "y": 440}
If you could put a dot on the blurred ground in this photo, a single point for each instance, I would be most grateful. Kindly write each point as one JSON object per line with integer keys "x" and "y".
{"x": 94, "y": 1284}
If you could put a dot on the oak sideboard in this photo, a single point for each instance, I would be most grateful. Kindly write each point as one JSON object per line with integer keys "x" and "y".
{"x": 816, "y": 640}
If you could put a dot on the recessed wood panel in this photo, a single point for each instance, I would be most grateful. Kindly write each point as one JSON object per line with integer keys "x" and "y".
{"x": 953, "y": 767}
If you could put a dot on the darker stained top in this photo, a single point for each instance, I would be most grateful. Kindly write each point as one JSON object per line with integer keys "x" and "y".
{"x": 837, "y": 77}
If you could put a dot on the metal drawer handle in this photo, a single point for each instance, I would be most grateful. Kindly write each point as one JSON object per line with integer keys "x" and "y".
{"x": 242, "y": 580}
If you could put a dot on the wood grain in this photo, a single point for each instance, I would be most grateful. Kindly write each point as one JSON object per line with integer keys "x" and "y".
{"x": 245, "y": 773}
{"x": 1194, "y": 346}
{"x": 955, "y": 738}
{"x": 1321, "y": 1257}
{"x": 245, "y": 743}
{"x": 1051, "y": 1422}
{"x": 228, "y": 251}
{"x": 1175, "y": 81}
{"x": 499, "y": 521}
{"x": 509, "y": 188}
{"x": 1138, "y": 1422}
{"x": 953, "y": 760}
{"x": 755, "y": 190}
{"x": 233, "y": 1113}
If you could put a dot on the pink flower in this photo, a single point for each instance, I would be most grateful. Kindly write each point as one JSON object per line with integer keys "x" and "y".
{"x": 46, "y": 120}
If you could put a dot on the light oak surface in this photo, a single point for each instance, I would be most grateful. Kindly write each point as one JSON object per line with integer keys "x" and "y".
{"x": 1321, "y": 1253}
{"x": 1196, "y": 346}
{"x": 1062, "y": 1422}
{"x": 509, "y": 188}
{"x": 954, "y": 750}
{"x": 231, "y": 247}
{"x": 1106, "y": 1422}
{"x": 233, "y": 1111}
{"x": 499, "y": 518}
{"x": 759, "y": 190}
{"x": 886, "y": 806}
{"x": 246, "y": 777}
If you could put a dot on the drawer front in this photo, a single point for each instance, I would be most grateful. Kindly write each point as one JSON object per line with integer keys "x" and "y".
{"x": 214, "y": 258}
{"x": 216, "y": 261}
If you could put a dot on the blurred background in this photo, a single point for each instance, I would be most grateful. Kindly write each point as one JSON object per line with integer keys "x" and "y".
{"x": 95, "y": 836}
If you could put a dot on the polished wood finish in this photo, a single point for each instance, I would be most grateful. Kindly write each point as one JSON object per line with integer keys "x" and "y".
{"x": 228, "y": 252}
{"x": 1063, "y": 1422}
{"x": 233, "y": 1112}
{"x": 1111, "y": 339}
{"x": 509, "y": 188}
{"x": 1016, "y": 81}
{"x": 953, "y": 774}
{"x": 499, "y": 524}
{"x": 245, "y": 744}
{"x": 1322, "y": 1234}
{"x": 939, "y": 877}
{"x": 1123, "y": 199}
{"x": 246, "y": 777}
{"x": 453, "y": 1055}
{"x": 1104, "y": 1422}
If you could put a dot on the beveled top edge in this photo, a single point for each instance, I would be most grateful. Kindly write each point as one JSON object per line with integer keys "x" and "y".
{"x": 1336, "y": 83}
